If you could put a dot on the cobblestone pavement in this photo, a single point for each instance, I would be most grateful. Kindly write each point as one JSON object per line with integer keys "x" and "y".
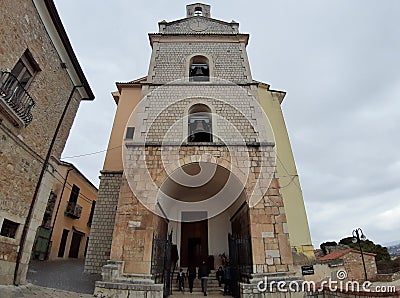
{"x": 30, "y": 290}
{"x": 64, "y": 275}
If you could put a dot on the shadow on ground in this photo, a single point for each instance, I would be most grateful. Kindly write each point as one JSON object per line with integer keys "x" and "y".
{"x": 65, "y": 275}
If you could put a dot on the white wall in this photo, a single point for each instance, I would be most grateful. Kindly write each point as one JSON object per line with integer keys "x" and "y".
{"x": 218, "y": 229}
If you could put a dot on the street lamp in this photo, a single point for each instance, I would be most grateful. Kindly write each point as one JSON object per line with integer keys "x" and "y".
{"x": 359, "y": 236}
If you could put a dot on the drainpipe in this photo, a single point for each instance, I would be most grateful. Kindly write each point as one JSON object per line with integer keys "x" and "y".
{"x": 55, "y": 215}
{"x": 35, "y": 194}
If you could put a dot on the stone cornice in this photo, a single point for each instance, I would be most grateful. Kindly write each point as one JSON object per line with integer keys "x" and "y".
{"x": 237, "y": 38}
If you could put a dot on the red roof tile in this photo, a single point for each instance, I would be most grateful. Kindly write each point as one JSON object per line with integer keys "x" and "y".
{"x": 340, "y": 253}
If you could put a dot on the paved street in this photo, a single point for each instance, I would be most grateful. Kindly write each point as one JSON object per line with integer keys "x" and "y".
{"x": 30, "y": 290}
{"x": 54, "y": 279}
{"x": 65, "y": 275}
{"x": 62, "y": 279}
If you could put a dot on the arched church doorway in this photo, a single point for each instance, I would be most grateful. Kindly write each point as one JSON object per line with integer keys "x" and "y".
{"x": 202, "y": 215}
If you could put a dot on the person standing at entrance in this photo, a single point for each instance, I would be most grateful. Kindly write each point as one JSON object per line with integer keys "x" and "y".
{"x": 227, "y": 279}
{"x": 181, "y": 280}
{"x": 191, "y": 275}
{"x": 220, "y": 275}
{"x": 203, "y": 275}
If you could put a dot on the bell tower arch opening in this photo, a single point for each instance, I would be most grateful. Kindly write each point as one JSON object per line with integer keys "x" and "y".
{"x": 200, "y": 124}
{"x": 199, "y": 69}
{"x": 198, "y": 9}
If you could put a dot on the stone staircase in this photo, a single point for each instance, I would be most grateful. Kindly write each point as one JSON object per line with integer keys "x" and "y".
{"x": 213, "y": 287}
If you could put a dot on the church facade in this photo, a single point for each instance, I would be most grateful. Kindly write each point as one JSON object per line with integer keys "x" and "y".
{"x": 199, "y": 168}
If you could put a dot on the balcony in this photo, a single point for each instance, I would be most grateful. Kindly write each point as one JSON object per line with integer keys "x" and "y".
{"x": 73, "y": 210}
{"x": 15, "y": 101}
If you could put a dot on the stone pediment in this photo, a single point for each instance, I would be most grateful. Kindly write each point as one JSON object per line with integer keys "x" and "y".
{"x": 198, "y": 25}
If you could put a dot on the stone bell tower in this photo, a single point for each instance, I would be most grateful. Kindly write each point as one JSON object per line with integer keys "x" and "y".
{"x": 199, "y": 173}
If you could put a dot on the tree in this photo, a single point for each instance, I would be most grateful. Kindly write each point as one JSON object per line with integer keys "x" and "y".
{"x": 325, "y": 244}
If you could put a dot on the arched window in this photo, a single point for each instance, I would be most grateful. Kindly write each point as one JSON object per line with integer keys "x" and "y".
{"x": 198, "y": 11}
{"x": 200, "y": 124}
{"x": 199, "y": 70}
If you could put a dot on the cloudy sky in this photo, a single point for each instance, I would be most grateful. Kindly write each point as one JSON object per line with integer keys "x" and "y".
{"x": 339, "y": 62}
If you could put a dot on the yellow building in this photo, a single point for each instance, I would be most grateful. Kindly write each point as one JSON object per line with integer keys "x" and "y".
{"x": 68, "y": 215}
{"x": 300, "y": 239}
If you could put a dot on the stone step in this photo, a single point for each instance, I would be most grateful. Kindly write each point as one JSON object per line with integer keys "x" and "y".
{"x": 197, "y": 292}
{"x": 211, "y": 282}
{"x": 211, "y": 287}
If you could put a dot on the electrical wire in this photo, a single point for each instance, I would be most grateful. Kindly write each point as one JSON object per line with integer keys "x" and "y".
{"x": 69, "y": 187}
{"x": 290, "y": 175}
{"x": 91, "y": 153}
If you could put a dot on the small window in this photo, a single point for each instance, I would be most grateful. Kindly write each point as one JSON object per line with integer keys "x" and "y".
{"x": 63, "y": 242}
{"x": 73, "y": 198}
{"x": 25, "y": 69}
{"x": 89, "y": 223}
{"x": 130, "y": 131}
{"x": 199, "y": 69}
{"x": 9, "y": 228}
{"x": 198, "y": 11}
{"x": 200, "y": 124}
{"x": 49, "y": 210}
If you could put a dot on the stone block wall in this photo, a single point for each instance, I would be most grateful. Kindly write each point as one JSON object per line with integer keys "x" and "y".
{"x": 51, "y": 86}
{"x": 100, "y": 239}
{"x": 270, "y": 237}
{"x": 23, "y": 149}
{"x": 251, "y": 291}
{"x": 147, "y": 168}
{"x": 169, "y": 123}
{"x": 267, "y": 220}
{"x": 355, "y": 269}
{"x": 236, "y": 114}
{"x": 349, "y": 294}
{"x": 134, "y": 229}
{"x": 388, "y": 277}
{"x": 227, "y": 61}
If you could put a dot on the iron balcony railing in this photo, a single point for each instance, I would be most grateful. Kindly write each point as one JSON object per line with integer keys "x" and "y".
{"x": 13, "y": 94}
{"x": 73, "y": 210}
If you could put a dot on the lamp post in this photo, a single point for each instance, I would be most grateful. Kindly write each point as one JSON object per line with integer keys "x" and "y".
{"x": 359, "y": 236}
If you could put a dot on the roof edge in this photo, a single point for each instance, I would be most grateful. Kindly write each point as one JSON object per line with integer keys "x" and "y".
{"x": 55, "y": 17}
{"x": 164, "y": 22}
{"x": 133, "y": 83}
{"x": 68, "y": 164}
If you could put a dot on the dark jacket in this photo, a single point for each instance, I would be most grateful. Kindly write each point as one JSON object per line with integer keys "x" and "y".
{"x": 191, "y": 272}
{"x": 227, "y": 272}
{"x": 203, "y": 271}
{"x": 180, "y": 276}
{"x": 219, "y": 273}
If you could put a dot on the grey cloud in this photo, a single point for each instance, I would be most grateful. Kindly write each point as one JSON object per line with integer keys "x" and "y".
{"x": 337, "y": 60}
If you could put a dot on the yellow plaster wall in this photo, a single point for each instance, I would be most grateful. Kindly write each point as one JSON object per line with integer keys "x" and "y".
{"x": 299, "y": 232}
{"x": 64, "y": 222}
{"x": 128, "y": 100}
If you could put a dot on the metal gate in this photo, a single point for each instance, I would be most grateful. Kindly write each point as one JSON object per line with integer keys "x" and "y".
{"x": 240, "y": 260}
{"x": 161, "y": 263}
